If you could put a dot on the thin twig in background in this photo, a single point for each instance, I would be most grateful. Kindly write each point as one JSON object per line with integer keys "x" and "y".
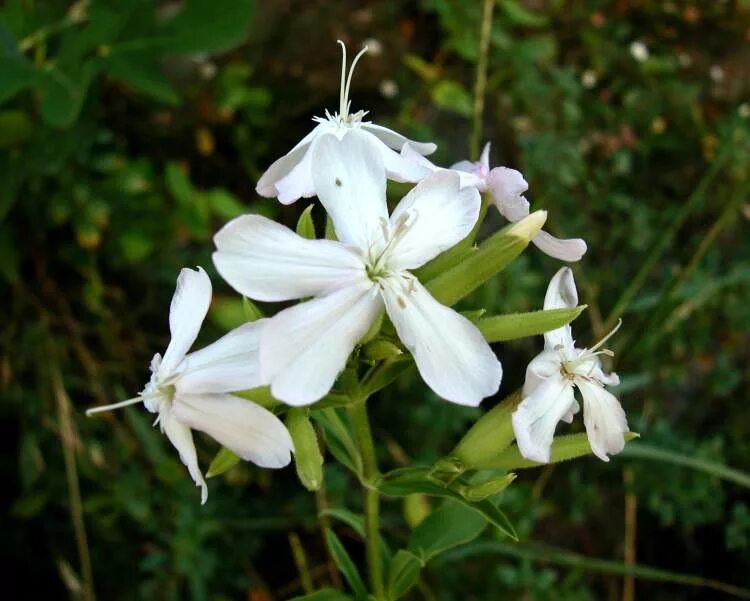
{"x": 67, "y": 439}
{"x": 480, "y": 83}
{"x": 321, "y": 502}
{"x": 631, "y": 524}
{"x": 300, "y": 560}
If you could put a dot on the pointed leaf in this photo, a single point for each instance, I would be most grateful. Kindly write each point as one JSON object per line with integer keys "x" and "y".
{"x": 488, "y": 259}
{"x": 498, "y": 328}
{"x": 305, "y": 224}
{"x": 403, "y": 573}
{"x": 222, "y": 461}
{"x": 345, "y": 565}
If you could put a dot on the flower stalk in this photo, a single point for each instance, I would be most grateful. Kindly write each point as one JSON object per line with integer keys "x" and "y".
{"x": 361, "y": 425}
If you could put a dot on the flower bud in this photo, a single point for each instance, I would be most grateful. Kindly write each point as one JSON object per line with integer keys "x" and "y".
{"x": 489, "y": 436}
{"x": 307, "y": 457}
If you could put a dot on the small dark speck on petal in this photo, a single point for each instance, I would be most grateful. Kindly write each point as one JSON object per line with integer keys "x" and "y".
{"x": 338, "y": 182}
{"x": 401, "y": 302}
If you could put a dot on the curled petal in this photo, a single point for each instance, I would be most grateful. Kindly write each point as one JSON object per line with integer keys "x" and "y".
{"x": 396, "y": 141}
{"x": 507, "y": 187}
{"x": 451, "y": 354}
{"x": 246, "y": 429}
{"x": 267, "y": 261}
{"x": 537, "y": 416}
{"x": 542, "y": 367}
{"x": 181, "y": 437}
{"x": 293, "y": 169}
{"x": 435, "y": 215}
{"x": 561, "y": 294}
{"x": 569, "y": 250}
{"x": 604, "y": 418}
{"x": 228, "y": 365}
{"x": 304, "y": 348}
{"x": 190, "y": 303}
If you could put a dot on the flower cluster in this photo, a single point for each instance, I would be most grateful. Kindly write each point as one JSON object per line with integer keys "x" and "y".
{"x": 348, "y": 284}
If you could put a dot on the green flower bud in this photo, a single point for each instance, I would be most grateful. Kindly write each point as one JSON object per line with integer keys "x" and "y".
{"x": 307, "y": 457}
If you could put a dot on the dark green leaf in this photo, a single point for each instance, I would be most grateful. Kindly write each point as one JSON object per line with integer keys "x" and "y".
{"x": 345, "y": 565}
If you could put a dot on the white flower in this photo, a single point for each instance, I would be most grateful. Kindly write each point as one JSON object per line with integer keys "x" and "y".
{"x": 190, "y": 391}
{"x": 506, "y": 187}
{"x": 304, "y": 348}
{"x": 291, "y": 177}
{"x": 550, "y": 379}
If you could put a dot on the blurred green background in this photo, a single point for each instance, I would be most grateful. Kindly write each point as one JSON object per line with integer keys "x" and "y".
{"x": 130, "y": 131}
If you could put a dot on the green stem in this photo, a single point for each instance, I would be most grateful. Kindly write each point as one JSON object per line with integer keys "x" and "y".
{"x": 361, "y": 425}
{"x": 480, "y": 83}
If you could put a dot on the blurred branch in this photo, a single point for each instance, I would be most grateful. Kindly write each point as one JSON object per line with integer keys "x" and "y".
{"x": 548, "y": 554}
{"x": 718, "y": 470}
{"x": 68, "y": 440}
{"x": 666, "y": 239}
{"x": 480, "y": 83}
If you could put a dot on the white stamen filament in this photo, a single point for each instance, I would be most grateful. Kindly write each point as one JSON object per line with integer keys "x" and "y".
{"x": 133, "y": 401}
{"x": 346, "y": 81}
{"x": 593, "y": 352}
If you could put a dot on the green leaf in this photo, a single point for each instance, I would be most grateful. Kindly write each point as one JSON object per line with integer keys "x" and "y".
{"x": 384, "y": 373}
{"x": 209, "y": 26}
{"x": 141, "y": 71}
{"x": 410, "y": 480}
{"x": 355, "y": 521}
{"x": 326, "y": 594}
{"x": 488, "y": 259}
{"x": 305, "y": 224}
{"x": 223, "y": 461}
{"x": 345, "y": 565}
{"x": 451, "y": 525}
{"x": 339, "y": 439}
{"x": 261, "y": 396}
{"x": 224, "y": 204}
{"x": 15, "y": 128}
{"x": 178, "y": 184}
{"x": 16, "y": 75}
{"x": 564, "y": 448}
{"x": 452, "y": 96}
{"x": 498, "y": 328}
{"x": 403, "y": 573}
{"x": 250, "y": 310}
{"x": 63, "y": 93}
{"x": 308, "y": 459}
{"x": 520, "y": 15}
{"x": 379, "y": 349}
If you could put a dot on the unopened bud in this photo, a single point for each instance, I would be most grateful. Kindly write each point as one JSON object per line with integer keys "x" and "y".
{"x": 529, "y": 226}
{"x": 307, "y": 456}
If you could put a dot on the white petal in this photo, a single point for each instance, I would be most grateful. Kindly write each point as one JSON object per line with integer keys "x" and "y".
{"x": 349, "y": 179}
{"x": 451, "y": 354}
{"x": 180, "y": 436}
{"x": 396, "y": 141}
{"x": 297, "y": 182}
{"x": 438, "y": 215}
{"x": 606, "y": 424}
{"x": 304, "y": 348}
{"x": 400, "y": 168}
{"x": 561, "y": 294}
{"x": 246, "y": 429}
{"x": 537, "y": 416}
{"x": 230, "y": 364}
{"x": 465, "y": 166}
{"x": 569, "y": 250}
{"x": 574, "y": 409}
{"x": 545, "y": 365}
{"x": 267, "y": 261}
{"x": 507, "y": 187}
{"x": 186, "y": 314}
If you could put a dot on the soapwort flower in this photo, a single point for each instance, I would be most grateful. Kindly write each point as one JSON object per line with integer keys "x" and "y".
{"x": 291, "y": 178}
{"x": 550, "y": 381}
{"x": 506, "y": 187}
{"x": 303, "y": 348}
{"x": 189, "y": 391}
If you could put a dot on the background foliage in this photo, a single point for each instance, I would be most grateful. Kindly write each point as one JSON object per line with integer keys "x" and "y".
{"x": 129, "y": 131}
